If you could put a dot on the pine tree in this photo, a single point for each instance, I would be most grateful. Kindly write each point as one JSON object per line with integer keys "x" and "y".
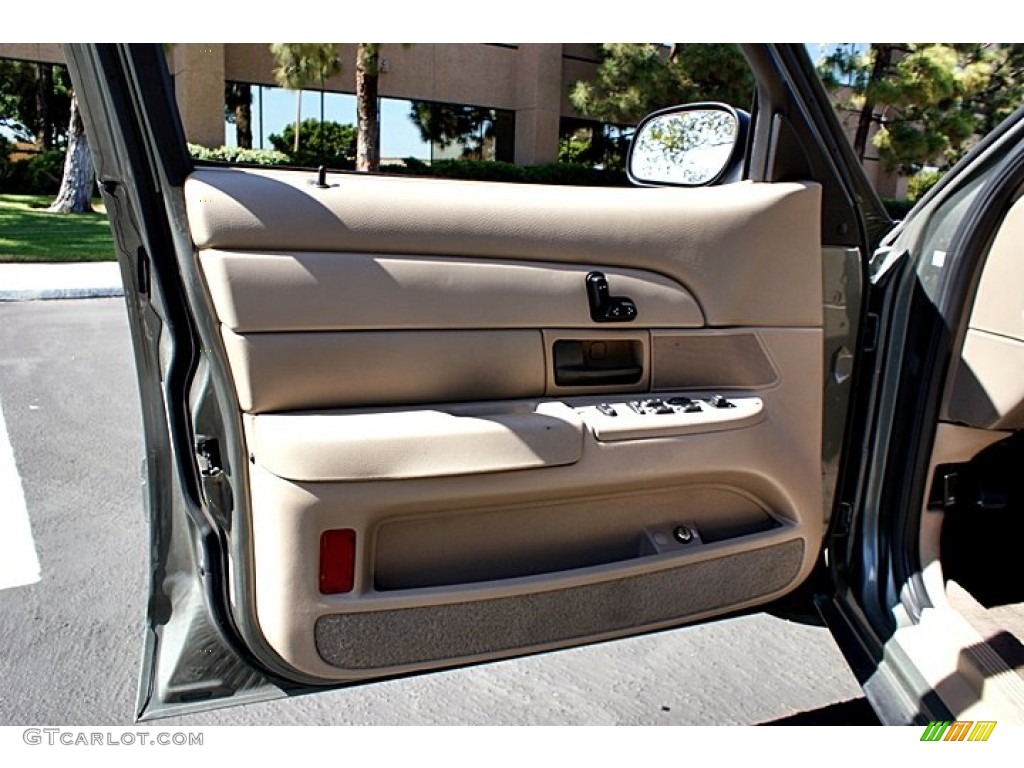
{"x": 928, "y": 101}
{"x": 635, "y": 79}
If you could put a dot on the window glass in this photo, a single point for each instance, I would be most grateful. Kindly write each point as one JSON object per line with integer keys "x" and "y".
{"x": 478, "y": 111}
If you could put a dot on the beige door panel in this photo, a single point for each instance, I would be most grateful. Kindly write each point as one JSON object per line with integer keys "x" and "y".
{"x": 416, "y": 363}
{"x": 260, "y": 292}
{"x": 487, "y": 540}
{"x": 650, "y": 596}
{"x": 396, "y": 445}
{"x": 987, "y": 389}
{"x": 750, "y": 494}
{"x": 300, "y": 371}
{"x": 750, "y": 253}
{"x": 470, "y": 516}
{"x": 733, "y": 359}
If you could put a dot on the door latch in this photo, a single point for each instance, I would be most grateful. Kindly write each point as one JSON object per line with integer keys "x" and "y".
{"x": 605, "y": 308}
{"x": 208, "y": 456}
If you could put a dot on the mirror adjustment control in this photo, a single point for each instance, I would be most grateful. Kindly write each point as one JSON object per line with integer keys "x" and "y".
{"x": 607, "y": 410}
{"x": 719, "y": 401}
{"x": 605, "y": 308}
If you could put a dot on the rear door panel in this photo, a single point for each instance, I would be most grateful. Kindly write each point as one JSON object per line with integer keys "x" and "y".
{"x": 415, "y": 361}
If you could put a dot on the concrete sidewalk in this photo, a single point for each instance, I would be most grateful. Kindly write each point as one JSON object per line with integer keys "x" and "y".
{"x": 75, "y": 280}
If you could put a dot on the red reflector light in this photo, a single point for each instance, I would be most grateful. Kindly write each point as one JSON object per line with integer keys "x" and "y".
{"x": 337, "y": 561}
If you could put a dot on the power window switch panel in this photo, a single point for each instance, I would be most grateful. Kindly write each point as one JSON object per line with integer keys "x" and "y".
{"x": 635, "y": 420}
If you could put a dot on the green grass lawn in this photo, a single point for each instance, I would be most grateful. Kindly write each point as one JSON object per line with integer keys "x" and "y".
{"x": 29, "y": 233}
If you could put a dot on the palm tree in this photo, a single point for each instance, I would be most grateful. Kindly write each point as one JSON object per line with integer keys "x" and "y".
{"x": 298, "y": 64}
{"x": 326, "y": 63}
{"x": 368, "y": 107}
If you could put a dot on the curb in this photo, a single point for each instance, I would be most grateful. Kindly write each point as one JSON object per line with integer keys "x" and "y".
{"x": 35, "y": 281}
{"x": 46, "y": 294}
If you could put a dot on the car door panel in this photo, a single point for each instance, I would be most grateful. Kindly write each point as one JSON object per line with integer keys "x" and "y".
{"x": 448, "y": 544}
{"x": 705, "y": 239}
{"x": 292, "y": 371}
{"x": 401, "y": 444}
{"x": 256, "y": 292}
{"x": 417, "y": 365}
{"x": 542, "y": 620}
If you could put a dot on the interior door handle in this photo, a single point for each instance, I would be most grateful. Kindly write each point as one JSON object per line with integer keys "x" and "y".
{"x": 597, "y": 362}
{"x": 605, "y": 308}
{"x": 582, "y": 376}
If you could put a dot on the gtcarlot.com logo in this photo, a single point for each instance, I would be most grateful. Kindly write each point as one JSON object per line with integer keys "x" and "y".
{"x": 958, "y": 730}
{"x": 73, "y": 737}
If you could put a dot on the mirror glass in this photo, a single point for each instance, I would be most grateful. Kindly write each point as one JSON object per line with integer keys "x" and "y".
{"x": 689, "y": 147}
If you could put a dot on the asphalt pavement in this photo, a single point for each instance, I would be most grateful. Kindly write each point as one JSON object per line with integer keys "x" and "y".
{"x": 70, "y": 643}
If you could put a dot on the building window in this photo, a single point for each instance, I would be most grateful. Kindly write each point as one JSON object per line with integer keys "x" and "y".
{"x": 423, "y": 130}
{"x": 464, "y": 132}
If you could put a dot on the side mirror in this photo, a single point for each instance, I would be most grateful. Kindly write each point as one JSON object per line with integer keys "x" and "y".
{"x": 688, "y": 146}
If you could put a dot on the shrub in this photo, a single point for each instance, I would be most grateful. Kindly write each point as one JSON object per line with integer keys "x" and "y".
{"x": 490, "y": 170}
{"x": 238, "y": 155}
{"x": 38, "y": 175}
{"x": 920, "y": 183}
{"x": 331, "y": 144}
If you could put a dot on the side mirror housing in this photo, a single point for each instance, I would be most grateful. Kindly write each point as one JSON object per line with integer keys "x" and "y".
{"x": 693, "y": 145}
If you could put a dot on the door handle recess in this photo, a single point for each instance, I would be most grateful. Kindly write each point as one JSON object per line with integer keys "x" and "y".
{"x": 597, "y": 362}
{"x": 605, "y": 308}
{"x": 581, "y": 376}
